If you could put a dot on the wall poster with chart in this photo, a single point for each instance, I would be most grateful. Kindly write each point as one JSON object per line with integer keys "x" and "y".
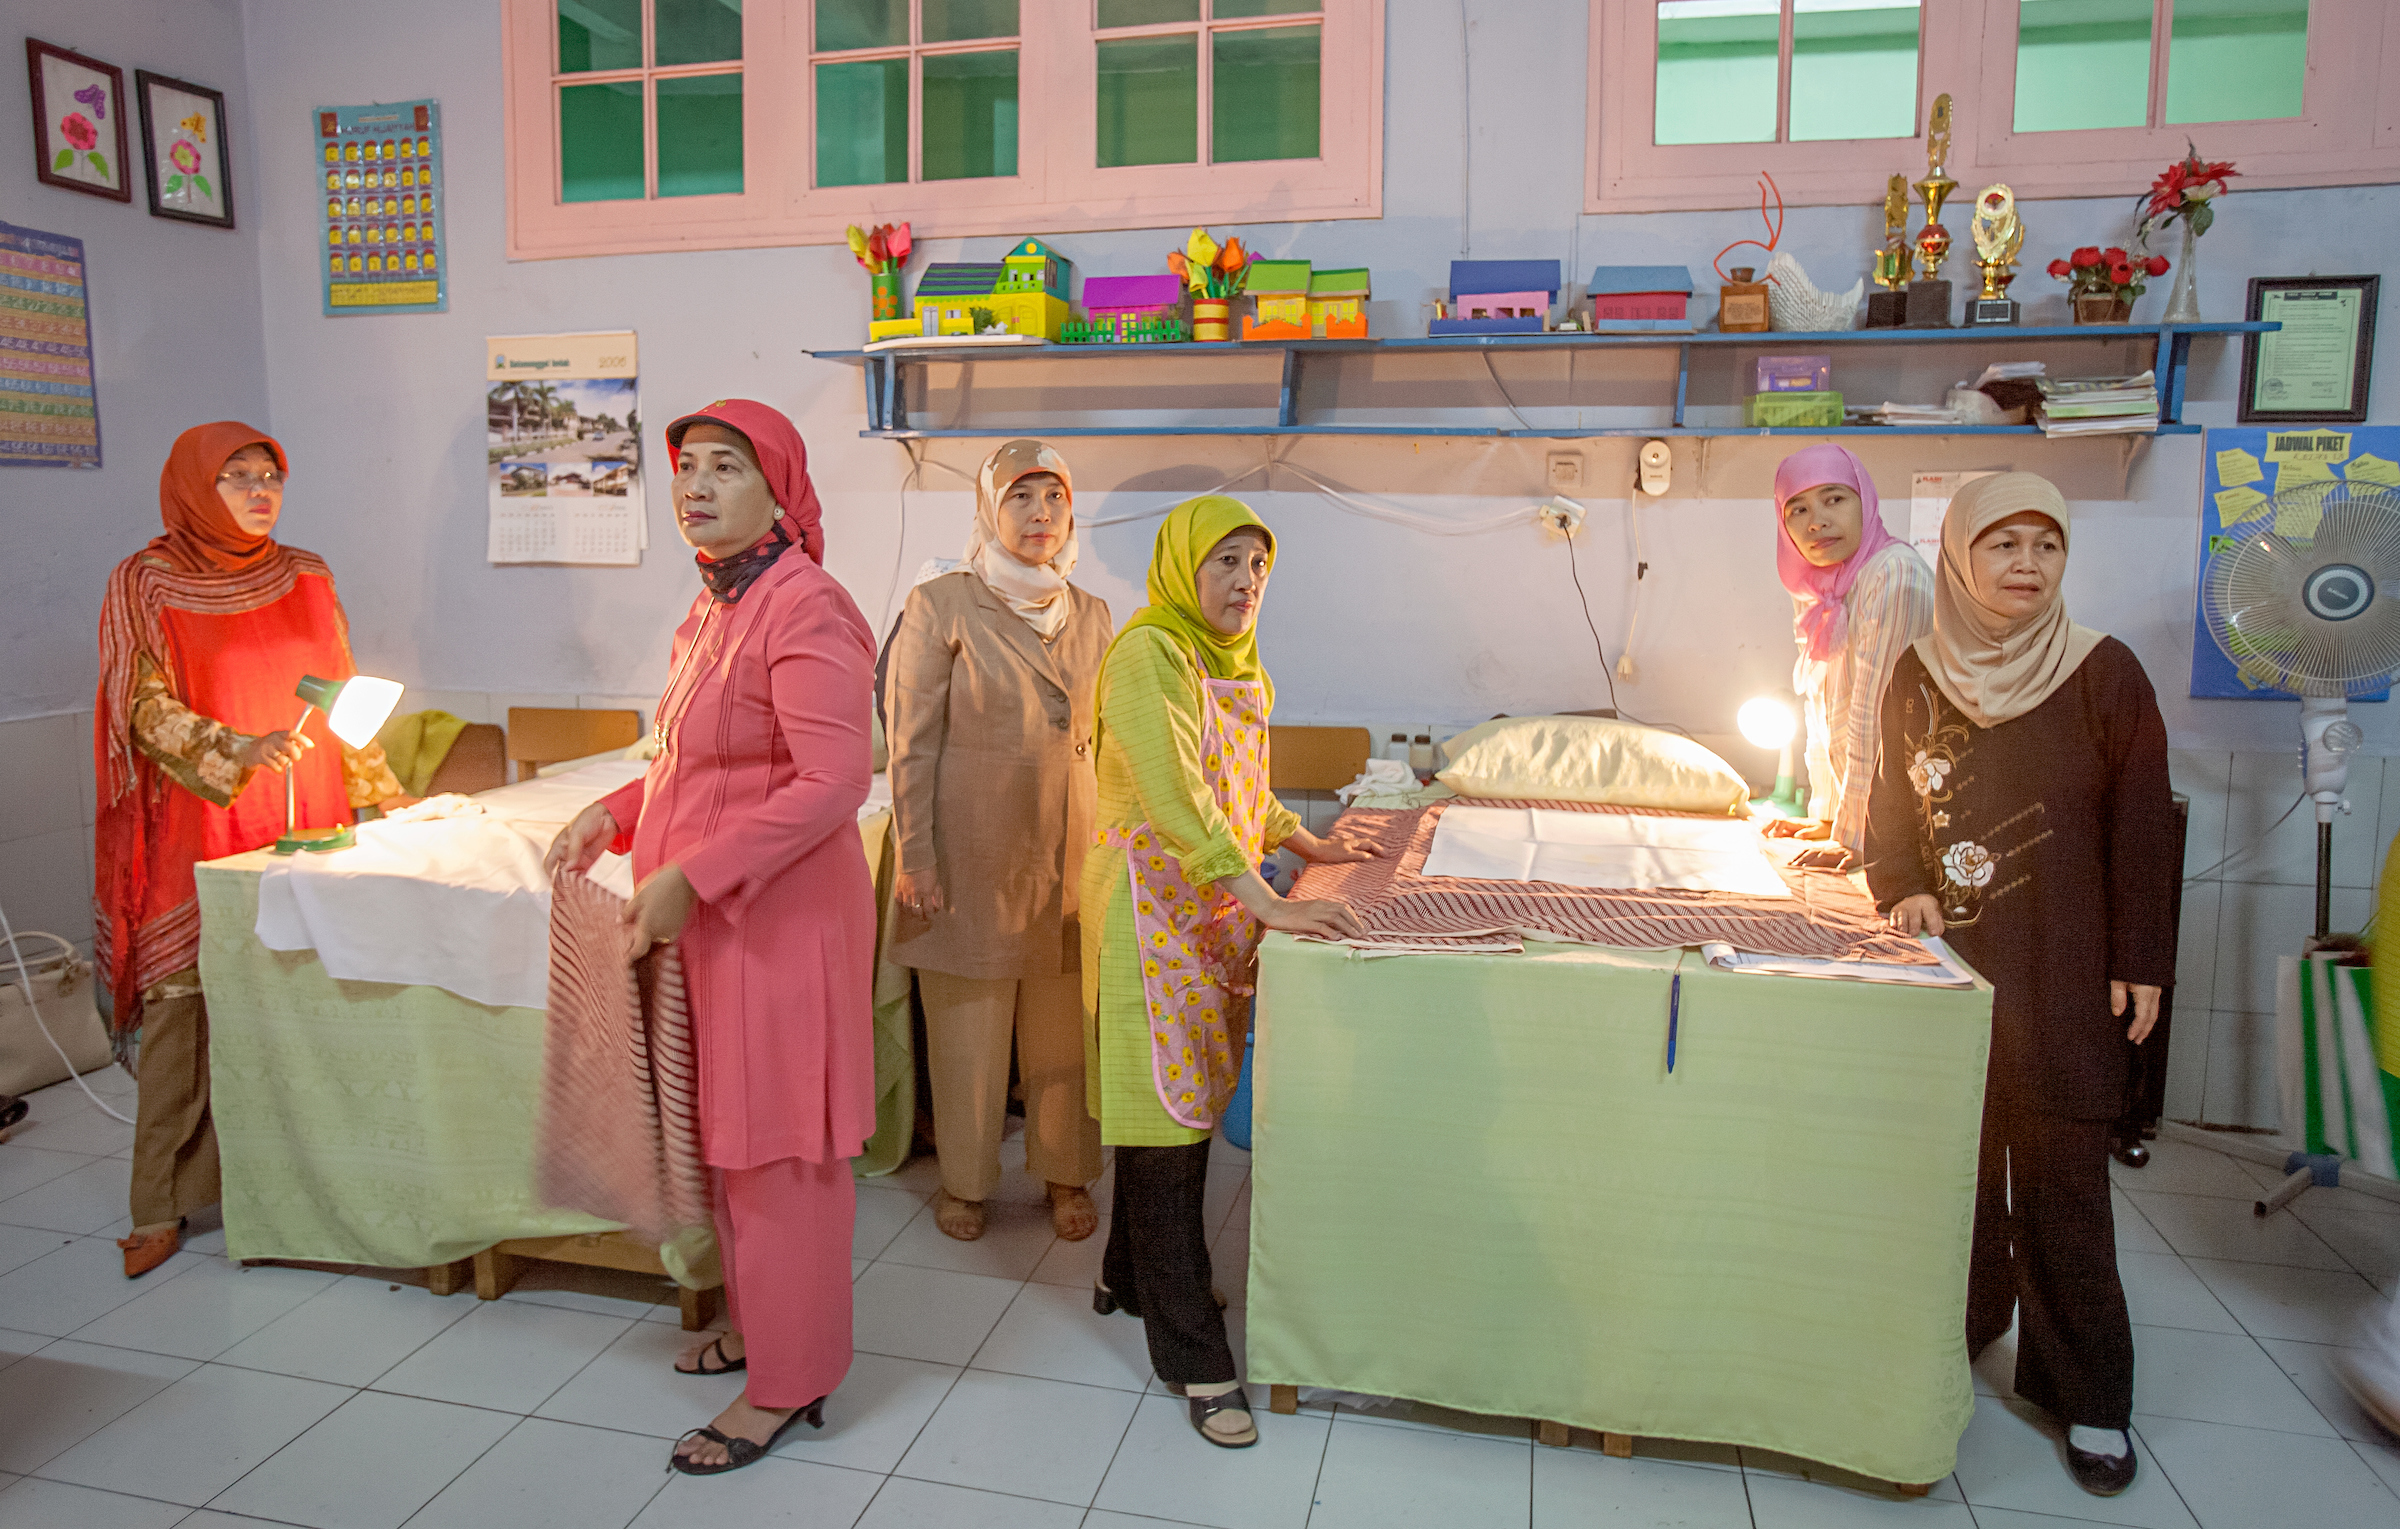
{"x": 49, "y": 410}
{"x": 378, "y": 170}
{"x": 563, "y": 449}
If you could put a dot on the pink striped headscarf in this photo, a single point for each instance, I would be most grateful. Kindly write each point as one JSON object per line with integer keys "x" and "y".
{"x": 1818, "y": 594}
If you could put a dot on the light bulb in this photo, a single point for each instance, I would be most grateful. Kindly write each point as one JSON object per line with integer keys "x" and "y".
{"x": 1766, "y": 722}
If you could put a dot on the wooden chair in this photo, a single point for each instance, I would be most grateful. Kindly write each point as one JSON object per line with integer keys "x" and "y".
{"x": 1315, "y": 758}
{"x": 477, "y": 761}
{"x": 542, "y": 735}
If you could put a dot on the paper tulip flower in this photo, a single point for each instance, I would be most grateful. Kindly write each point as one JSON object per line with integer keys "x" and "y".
{"x": 899, "y": 244}
{"x": 858, "y": 244}
{"x": 1201, "y": 248}
{"x": 1183, "y": 269}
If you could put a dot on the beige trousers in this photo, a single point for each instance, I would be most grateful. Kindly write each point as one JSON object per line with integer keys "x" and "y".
{"x": 174, "y": 1140}
{"x": 968, "y": 1023}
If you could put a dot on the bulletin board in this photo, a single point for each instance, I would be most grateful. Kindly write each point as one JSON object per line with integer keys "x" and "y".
{"x": 378, "y": 177}
{"x": 2244, "y": 469}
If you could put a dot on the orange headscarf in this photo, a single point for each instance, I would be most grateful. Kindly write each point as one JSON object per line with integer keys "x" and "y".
{"x": 202, "y": 535}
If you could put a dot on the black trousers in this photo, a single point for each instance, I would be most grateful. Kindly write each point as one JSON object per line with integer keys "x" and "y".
{"x": 1156, "y": 1262}
{"x": 2046, "y": 1250}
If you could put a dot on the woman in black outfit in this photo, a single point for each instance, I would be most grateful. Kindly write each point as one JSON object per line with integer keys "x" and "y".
{"x": 2021, "y": 810}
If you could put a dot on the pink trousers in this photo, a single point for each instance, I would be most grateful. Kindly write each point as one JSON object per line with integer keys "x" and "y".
{"x": 783, "y": 1231}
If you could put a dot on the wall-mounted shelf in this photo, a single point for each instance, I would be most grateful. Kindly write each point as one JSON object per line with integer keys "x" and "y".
{"x": 887, "y": 415}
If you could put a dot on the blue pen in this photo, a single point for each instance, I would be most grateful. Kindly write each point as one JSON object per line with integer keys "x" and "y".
{"x": 1674, "y": 1010}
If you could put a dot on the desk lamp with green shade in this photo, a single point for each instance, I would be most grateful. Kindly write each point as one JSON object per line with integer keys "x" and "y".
{"x": 1769, "y": 724}
{"x": 354, "y": 709}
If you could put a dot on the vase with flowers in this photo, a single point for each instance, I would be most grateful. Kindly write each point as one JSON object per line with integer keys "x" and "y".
{"x": 2102, "y": 283}
{"x": 1216, "y": 275}
{"x": 2185, "y": 191}
{"x": 883, "y": 250}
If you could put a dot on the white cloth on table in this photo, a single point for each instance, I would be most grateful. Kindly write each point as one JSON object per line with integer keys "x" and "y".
{"x": 1380, "y": 777}
{"x": 1603, "y": 850}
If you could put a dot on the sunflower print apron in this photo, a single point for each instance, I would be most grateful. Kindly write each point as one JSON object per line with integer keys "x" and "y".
{"x": 1198, "y": 944}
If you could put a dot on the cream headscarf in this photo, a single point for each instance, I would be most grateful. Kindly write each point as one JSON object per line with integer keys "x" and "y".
{"x": 1036, "y": 592}
{"x": 1993, "y": 667}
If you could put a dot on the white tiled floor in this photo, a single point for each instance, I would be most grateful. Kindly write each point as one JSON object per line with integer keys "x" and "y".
{"x": 986, "y": 1394}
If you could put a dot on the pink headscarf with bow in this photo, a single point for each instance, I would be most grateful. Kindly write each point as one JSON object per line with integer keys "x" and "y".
{"x": 1820, "y": 622}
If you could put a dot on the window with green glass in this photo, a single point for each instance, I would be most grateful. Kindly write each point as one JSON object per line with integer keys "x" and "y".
{"x": 869, "y": 57}
{"x": 2087, "y": 63}
{"x": 1254, "y": 69}
{"x": 649, "y": 99}
{"x": 1721, "y": 67}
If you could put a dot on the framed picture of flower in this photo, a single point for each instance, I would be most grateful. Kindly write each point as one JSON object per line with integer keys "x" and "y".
{"x": 78, "y": 121}
{"x": 183, "y": 148}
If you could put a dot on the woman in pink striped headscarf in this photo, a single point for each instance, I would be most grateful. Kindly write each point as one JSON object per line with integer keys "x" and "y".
{"x": 1860, "y": 596}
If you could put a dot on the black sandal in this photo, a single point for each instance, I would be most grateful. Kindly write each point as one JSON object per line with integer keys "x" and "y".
{"x": 1206, "y": 1407}
{"x": 13, "y": 1108}
{"x": 725, "y": 1366}
{"x": 1108, "y": 1303}
{"x": 743, "y": 1452}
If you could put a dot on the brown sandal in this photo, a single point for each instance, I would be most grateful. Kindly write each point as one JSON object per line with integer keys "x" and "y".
{"x": 725, "y": 1364}
{"x": 961, "y": 1219}
{"x": 1072, "y": 1216}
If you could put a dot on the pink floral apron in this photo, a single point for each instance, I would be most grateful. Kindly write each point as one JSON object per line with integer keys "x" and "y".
{"x": 1198, "y": 944}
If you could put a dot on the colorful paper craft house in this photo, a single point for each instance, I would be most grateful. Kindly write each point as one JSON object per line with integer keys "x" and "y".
{"x": 1638, "y": 298}
{"x": 1500, "y": 297}
{"x": 1337, "y": 304}
{"x": 1035, "y": 267}
{"x": 1129, "y": 309}
{"x": 949, "y": 293}
{"x": 1280, "y": 289}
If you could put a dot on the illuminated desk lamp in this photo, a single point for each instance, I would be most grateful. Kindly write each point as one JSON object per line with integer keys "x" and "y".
{"x": 1769, "y": 724}
{"x": 354, "y": 708}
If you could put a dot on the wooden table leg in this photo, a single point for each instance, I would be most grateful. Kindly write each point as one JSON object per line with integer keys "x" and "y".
{"x": 1618, "y": 1445}
{"x": 447, "y": 1279}
{"x": 495, "y": 1274}
{"x": 699, "y": 1306}
{"x": 1283, "y": 1400}
{"x": 1555, "y": 1435}
{"x": 1915, "y": 1488}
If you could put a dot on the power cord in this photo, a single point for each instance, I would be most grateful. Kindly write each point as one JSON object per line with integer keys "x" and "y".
{"x": 25, "y": 982}
{"x": 1575, "y": 569}
{"x": 2255, "y": 841}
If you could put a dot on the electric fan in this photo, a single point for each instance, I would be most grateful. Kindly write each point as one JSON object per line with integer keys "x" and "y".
{"x": 2304, "y": 595}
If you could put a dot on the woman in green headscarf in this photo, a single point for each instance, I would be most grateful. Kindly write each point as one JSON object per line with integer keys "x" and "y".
{"x": 1185, "y": 816}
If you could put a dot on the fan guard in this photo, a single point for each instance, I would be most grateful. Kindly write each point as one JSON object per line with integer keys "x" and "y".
{"x": 2304, "y": 595}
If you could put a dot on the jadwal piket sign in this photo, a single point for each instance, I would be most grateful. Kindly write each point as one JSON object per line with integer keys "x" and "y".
{"x": 378, "y": 173}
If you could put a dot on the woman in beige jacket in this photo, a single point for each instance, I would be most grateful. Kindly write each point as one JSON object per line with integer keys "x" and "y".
{"x": 990, "y": 701}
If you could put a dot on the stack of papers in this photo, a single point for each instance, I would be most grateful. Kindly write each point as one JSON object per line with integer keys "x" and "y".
{"x": 1917, "y": 414}
{"x": 2011, "y": 371}
{"x": 2100, "y": 405}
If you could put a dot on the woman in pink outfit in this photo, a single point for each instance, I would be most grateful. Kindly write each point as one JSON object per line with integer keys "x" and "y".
{"x": 746, "y": 853}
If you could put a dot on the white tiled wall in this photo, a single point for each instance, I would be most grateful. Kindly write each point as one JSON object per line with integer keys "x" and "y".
{"x": 2260, "y": 904}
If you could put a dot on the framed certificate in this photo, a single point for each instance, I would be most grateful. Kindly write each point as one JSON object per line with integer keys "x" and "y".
{"x": 2316, "y": 368}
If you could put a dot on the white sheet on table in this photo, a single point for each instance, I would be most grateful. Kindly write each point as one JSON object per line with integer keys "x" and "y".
{"x": 458, "y": 903}
{"x": 1604, "y": 850}
{"x": 1948, "y": 974}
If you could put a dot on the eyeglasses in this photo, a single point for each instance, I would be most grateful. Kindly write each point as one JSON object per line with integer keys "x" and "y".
{"x": 250, "y": 483}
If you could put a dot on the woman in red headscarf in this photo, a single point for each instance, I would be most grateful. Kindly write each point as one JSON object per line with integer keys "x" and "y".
{"x": 204, "y": 635}
{"x": 746, "y": 853}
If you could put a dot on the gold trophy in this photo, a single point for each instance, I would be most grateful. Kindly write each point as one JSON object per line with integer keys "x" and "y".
{"x": 1888, "y": 308}
{"x": 1929, "y": 295}
{"x": 1998, "y": 235}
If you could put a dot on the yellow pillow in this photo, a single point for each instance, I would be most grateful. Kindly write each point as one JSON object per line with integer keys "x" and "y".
{"x": 1591, "y": 759}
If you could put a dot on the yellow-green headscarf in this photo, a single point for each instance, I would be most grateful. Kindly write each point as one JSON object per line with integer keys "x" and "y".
{"x": 1184, "y": 539}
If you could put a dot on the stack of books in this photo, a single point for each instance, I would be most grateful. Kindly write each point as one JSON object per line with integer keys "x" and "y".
{"x": 2100, "y": 405}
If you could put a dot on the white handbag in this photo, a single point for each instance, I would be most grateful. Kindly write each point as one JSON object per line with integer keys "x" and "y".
{"x": 62, "y": 1003}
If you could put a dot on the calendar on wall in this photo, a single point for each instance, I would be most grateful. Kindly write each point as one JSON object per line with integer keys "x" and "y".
{"x": 379, "y": 170}
{"x": 563, "y": 449}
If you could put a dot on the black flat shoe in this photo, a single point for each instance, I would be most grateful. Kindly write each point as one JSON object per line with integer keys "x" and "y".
{"x": 1108, "y": 1303}
{"x": 724, "y": 1366}
{"x": 13, "y": 1108}
{"x": 741, "y": 1451}
{"x": 2102, "y": 1475}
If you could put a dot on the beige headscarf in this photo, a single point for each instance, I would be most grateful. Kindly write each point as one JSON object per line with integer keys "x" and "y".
{"x": 1036, "y": 592}
{"x": 1993, "y": 667}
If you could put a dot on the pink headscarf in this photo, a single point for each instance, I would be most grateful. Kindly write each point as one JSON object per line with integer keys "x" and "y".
{"x": 1820, "y": 622}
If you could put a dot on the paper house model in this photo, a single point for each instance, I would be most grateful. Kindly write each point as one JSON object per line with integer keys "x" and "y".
{"x": 1337, "y": 304}
{"x": 1033, "y": 266}
{"x": 949, "y": 293}
{"x": 1500, "y": 297}
{"x": 1635, "y": 298}
{"x": 1280, "y": 289}
{"x": 1124, "y": 309}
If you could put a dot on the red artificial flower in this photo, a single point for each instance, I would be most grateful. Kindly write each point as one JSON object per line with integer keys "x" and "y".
{"x": 2156, "y": 265}
{"x": 2060, "y": 268}
{"x": 77, "y": 129}
{"x": 2121, "y": 274}
{"x": 2113, "y": 255}
{"x": 2087, "y": 255}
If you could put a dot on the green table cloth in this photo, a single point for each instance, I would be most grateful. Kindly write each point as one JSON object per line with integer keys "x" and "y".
{"x": 1476, "y": 1184}
{"x": 376, "y": 1123}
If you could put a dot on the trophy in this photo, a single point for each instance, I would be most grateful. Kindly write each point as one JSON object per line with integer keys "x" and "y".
{"x": 1929, "y": 295}
{"x": 1998, "y": 235}
{"x": 1887, "y": 309}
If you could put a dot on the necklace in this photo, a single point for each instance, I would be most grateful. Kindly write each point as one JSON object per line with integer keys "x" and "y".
{"x": 682, "y": 702}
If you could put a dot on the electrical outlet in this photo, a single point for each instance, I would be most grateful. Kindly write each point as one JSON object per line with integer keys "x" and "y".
{"x": 1566, "y": 472}
{"x": 1562, "y": 517}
